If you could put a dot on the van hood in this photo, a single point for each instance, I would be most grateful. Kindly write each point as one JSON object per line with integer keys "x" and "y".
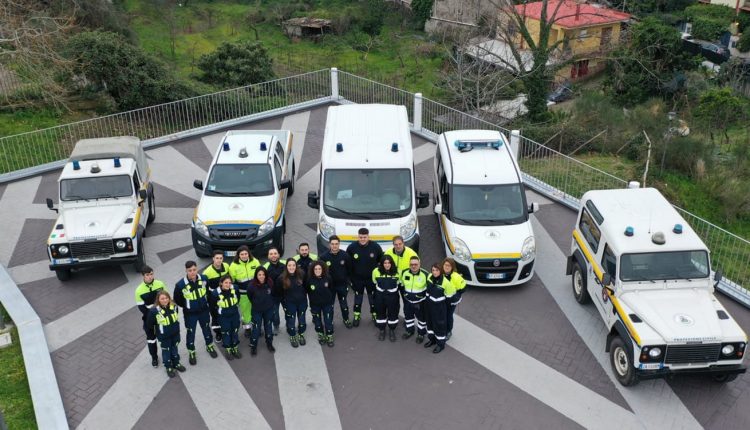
{"x": 94, "y": 222}
{"x": 493, "y": 241}
{"x": 677, "y": 315}
{"x": 236, "y": 210}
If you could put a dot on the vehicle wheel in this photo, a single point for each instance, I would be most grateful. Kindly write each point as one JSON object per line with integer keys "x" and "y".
{"x": 63, "y": 274}
{"x": 200, "y": 254}
{"x": 723, "y": 379}
{"x": 151, "y": 208}
{"x": 294, "y": 178}
{"x": 622, "y": 363}
{"x": 140, "y": 261}
{"x": 578, "y": 281}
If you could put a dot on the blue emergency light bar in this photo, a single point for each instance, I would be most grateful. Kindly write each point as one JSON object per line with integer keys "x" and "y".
{"x": 339, "y": 147}
{"x": 468, "y": 145}
{"x": 225, "y": 146}
{"x": 117, "y": 162}
{"x": 262, "y": 146}
{"x": 76, "y": 165}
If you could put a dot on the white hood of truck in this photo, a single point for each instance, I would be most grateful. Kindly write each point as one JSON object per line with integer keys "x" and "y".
{"x": 237, "y": 210}
{"x": 94, "y": 222}
{"x": 495, "y": 239}
{"x": 677, "y": 315}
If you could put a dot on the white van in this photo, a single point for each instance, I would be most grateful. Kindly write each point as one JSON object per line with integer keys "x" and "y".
{"x": 367, "y": 177}
{"x": 481, "y": 206}
{"x": 244, "y": 196}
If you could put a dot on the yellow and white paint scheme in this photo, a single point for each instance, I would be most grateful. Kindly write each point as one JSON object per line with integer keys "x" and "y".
{"x": 260, "y": 216}
{"x": 655, "y": 312}
{"x": 491, "y": 253}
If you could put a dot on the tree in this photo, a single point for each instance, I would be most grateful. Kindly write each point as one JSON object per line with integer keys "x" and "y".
{"x": 237, "y": 64}
{"x": 422, "y": 9}
{"x": 718, "y": 109}
{"x": 373, "y": 17}
{"x": 131, "y": 77}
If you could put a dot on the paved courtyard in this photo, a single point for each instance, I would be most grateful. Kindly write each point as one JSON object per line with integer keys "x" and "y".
{"x": 521, "y": 358}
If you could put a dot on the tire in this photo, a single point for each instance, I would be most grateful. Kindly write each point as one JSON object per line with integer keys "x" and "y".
{"x": 723, "y": 379}
{"x": 294, "y": 178}
{"x": 200, "y": 254}
{"x": 622, "y": 363}
{"x": 140, "y": 261}
{"x": 63, "y": 274}
{"x": 578, "y": 283}
{"x": 151, "y": 208}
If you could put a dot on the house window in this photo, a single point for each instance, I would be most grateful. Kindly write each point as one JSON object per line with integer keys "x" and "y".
{"x": 579, "y": 69}
{"x": 606, "y": 37}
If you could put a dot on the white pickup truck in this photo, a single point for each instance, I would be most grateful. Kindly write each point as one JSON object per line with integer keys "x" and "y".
{"x": 106, "y": 201}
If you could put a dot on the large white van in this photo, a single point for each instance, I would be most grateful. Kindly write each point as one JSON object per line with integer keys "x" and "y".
{"x": 481, "y": 206}
{"x": 367, "y": 177}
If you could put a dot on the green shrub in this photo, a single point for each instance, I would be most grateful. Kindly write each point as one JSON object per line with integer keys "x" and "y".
{"x": 707, "y": 28}
{"x": 237, "y": 64}
{"x": 744, "y": 43}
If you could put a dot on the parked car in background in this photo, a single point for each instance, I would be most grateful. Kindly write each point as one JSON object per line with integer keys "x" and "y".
{"x": 561, "y": 93}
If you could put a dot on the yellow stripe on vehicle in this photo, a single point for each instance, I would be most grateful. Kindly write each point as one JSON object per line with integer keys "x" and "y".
{"x": 252, "y": 221}
{"x": 599, "y": 274}
{"x": 375, "y": 237}
{"x": 445, "y": 234}
{"x": 136, "y": 220}
{"x": 279, "y": 207}
{"x": 497, "y": 255}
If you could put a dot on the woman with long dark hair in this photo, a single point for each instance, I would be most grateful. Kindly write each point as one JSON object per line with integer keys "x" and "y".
{"x": 386, "y": 280}
{"x": 260, "y": 294}
{"x": 294, "y": 302}
{"x": 322, "y": 296}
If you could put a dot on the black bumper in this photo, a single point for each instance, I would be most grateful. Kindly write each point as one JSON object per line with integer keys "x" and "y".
{"x": 716, "y": 370}
{"x": 130, "y": 259}
{"x": 322, "y": 244}
{"x": 259, "y": 246}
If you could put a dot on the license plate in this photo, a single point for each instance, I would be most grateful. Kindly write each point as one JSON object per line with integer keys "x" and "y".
{"x": 496, "y": 276}
{"x": 650, "y": 366}
{"x": 230, "y": 253}
{"x": 62, "y": 261}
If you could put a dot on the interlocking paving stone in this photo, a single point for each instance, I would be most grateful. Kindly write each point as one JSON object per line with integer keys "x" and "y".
{"x": 87, "y": 367}
{"x": 48, "y": 188}
{"x": 32, "y": 246}
{"x": 172, "y": 253}
{"x": 171, "y": 409}
{"x": 52, "y": 299}
{"x": 166, "y": 198}
{"x": 158, "y": 228}
{"x": 196, "y": 151}
{"x": 558, "y": 220}
{"x": 316, "y": 126}
{"x": 258, "y": 376}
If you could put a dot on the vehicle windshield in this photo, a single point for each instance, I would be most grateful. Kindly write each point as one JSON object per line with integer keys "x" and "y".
{"x": 96, "y": 187}
{"x": 661, "y": 266}
{"x": 488, "y": 204}
{"x": 367, "y": 193}
{"x": 240, "y": 180}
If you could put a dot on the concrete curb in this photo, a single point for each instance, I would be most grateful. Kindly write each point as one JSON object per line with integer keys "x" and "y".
{"x": 45, "y": 394}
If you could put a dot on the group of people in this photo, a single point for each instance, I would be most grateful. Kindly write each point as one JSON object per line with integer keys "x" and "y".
{"x": 245, "y": 295}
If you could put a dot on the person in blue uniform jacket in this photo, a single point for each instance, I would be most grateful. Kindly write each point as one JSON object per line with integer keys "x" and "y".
{"x": 260, "y": 294}
{"x": 163, "y": 317}
{"x": 190, "y": 294}
{"x": 321, "y": 294}
{"x": 227, "y": 301}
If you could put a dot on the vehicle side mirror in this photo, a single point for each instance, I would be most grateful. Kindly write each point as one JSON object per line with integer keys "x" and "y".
{"x": 606, "y": 280}
{"x": 718, "y": 276}
{"x": 534, "y": 207}
{"x": 313, "y": 200}
{"x": 51, "y": 205}
{"x": 438, "y": 208}
{"x": 143, "y": 194}
{"x": 423, "y": 200}
{"x": 285, "y": 184}
{"x": 198, "y": 184}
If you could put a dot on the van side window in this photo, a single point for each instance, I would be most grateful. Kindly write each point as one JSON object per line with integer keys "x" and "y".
{"x": 277, "y": 167}
{"x": 279, "y": 151}
{"x": 609, "y": 261}
{"x": 590, "y": 231}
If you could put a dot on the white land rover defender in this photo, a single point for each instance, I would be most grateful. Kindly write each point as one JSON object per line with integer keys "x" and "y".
{"x": 106, "y": 200}
{"x": 649, "y": 276}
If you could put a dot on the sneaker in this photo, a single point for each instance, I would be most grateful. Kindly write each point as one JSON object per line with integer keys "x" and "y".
{"x": 407, "y": 335}
{"x": 237, "y": 353}
{"x": 253, "y": 350}
{"x": 270, "y": 347}
{"x": 212, "y": 351}
{"x": 347, "y": 324}
{"x": 329, "y": 341}
{"x": 230, "y": 354}
{"x": 355, "y": 323}
{"x": 170, "y": 373}
{"x": 392, "y": 335}
{"x": 381, "y": 335}
{"x": 155, "y": 362}
{"x": 420, "y": 338}
{"x": 430, "y": 343}
{"x": 192, "y": 359}
{"x": 180, "y": 367}
{"x": 293, "y": 341}
{"x": 321, "y": 338}
{"x": 301, "y": 339}
{"x": 217, "y": 337}
{"x": 438, "y": 348}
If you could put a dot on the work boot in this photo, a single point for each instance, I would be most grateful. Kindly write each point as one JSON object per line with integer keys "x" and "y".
{"x": 253, "y": 350}
{"x": 439, "y": 347}
{"x": 155, "y": 362}
{"x": 321, "y": 338}
{"x": 270, "y": 347}
{"x": 381, "y": 335}
{"x": 237, "y": 353}
{"x": 275, "y": 330}
{"x": 229, "y": 354}
{"x": 247, "y": 333}
{"x": 392, "y": 335}
{"x": 430, "y": 343}
{"x": 170, "y": 372}
{"x": 217, "y": 336}
{"x": 347, "y": 324}
{"x": 293, "y": 341}
{"x": 407, "y": 335}
{"x": 191, "y": 358}
{"x": 180, "y": 367}
{"x": 357, "y": 317}
{"x": 420, "y": 338}
{"x": 211, "y": 351}
{"x": 301, "y": 339}
{"x": 329, "y": 340}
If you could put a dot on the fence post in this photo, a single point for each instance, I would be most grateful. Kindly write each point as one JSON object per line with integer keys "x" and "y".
{"x": 418, "y": 112}
{"x": 334, "y": 84}
{"x": 515, "y": 142}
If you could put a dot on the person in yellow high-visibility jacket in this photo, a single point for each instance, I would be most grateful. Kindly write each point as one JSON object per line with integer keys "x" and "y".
{"x": 242, "y": 271}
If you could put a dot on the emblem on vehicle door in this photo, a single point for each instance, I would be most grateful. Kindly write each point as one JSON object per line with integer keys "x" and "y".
{"x": 492, "y": 234}
{"x": 684, "y": 319}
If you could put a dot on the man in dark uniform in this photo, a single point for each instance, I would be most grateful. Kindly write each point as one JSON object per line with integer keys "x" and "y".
{"x": 213, "y": 273}
{"x": 365, "y": 255}
{"x": 304, "y": 259}
{"x": 339, "y": 269}
{"x": 414, "y": 283}
{"x": 275, "y": 268}
{"x": 145, "y": 297}
{"x": 190, "y": 294}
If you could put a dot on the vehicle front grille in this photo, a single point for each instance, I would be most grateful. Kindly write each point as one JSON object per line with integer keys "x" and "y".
{"x": 484, "y": 268}
{"x": 683, "y": 354}
{"x": 238, "y": 234}
{"x": 91, "y": 249}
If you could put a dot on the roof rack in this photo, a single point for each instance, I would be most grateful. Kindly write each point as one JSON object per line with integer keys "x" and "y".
{"x": 468, "y": 145}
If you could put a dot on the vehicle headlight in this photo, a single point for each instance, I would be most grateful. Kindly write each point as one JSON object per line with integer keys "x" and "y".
{"x": 120, "y": 244}
{"x": 528, "y": 251}
{"x": 460, "y": 250}
{"x": 200, "y": 228}
{"x": 327, "y": 228}
{"x": 409, "y": 227}
{"x": 654, "y": 352}
{"x": 727, "y": 349}
{"x": 63, "y": 250}
{"x": 266, "y": 227}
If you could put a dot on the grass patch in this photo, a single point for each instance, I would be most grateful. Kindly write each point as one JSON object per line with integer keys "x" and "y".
{"x": 15, "y": 397}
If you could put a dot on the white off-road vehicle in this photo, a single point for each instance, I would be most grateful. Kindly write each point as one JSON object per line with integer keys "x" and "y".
{"x": 106, "y": 201}
{"x": 649, "y": 276}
